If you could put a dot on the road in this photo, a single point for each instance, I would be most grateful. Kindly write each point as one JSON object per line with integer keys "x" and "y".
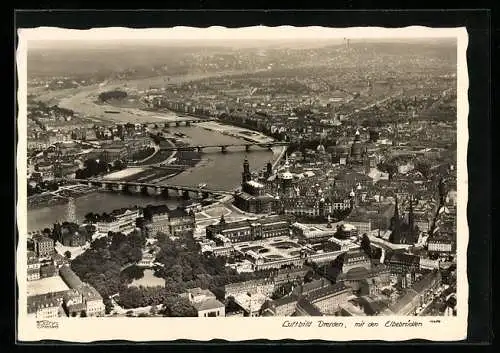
{"x": 379, "y": 102}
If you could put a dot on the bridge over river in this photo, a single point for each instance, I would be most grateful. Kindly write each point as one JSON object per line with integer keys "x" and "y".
{"x": 163, "y": 189}
{"x": 224, "y": 147}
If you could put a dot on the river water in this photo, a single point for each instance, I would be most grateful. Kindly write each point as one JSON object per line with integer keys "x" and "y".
{"x": 217, "y": 170}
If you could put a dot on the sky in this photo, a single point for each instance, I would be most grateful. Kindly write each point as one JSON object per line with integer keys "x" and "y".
{"x": 45, "y": 37}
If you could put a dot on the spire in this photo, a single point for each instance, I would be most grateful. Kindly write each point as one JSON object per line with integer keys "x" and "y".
{"x": 411, "y": 220}
{"x": 222, "y": 220}
{"x": 357, "y": 135}
{"x": 396, "y": 209}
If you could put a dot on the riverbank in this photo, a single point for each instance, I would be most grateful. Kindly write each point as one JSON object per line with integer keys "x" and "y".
{"x": 60, "y": 196}
{"x": 234, "y": 131}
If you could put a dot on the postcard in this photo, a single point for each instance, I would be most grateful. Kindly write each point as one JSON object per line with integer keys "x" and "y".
{"x": 249, "y": 183}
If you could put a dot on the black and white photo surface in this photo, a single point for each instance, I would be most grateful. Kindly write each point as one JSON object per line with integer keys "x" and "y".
{"x": 261, "y": 182}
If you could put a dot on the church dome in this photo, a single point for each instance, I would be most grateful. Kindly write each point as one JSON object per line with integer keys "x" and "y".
{"x": 357, "y": 148}
{"x": 286, "y": 175}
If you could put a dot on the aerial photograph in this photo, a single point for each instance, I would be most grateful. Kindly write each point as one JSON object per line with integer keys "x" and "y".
{"x": 241, "y": 177}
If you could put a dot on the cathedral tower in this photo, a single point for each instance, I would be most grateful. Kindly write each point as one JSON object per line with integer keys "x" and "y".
{"x": 246, "y": 175}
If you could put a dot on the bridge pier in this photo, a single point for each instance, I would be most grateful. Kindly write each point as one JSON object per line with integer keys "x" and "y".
{"x": 188, "y": 123}
{"x": 158, "y": 191}
{"x": 177, "y": 124}
{"x": 165, "y": 193}
{"x": 204, "y": 195}
{"x": 121, "y": 187}
{"x": 247, "y": 148}
{"x": 138, "y": 189}
{"x": 89, "y": 184}
{"x": 200, "y": 149}
{"x": 185, "y": 194}
{"x": 223, "y": 149}
{"x": 104, "y": 186}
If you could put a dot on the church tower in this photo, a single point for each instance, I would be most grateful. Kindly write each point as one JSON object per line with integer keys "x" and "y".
{"x": 70, "y": 211}
{"x": 396, "y": 223}
{"x": 269, "y": 169}
{"x": 442, "y": 191}
{"x": 246, "y": 175}
{"x": 411, "y": 221}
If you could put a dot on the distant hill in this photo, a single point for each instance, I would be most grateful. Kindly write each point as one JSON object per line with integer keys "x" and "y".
{"x": 67, "y": 58}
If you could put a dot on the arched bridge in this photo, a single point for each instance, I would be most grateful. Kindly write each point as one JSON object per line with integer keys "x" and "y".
{"x": 183, "y": 122}
{"x": 164, "y": 189}
{"x": 224, "y": 148}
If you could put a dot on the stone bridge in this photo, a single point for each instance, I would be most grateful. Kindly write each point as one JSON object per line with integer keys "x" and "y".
{"x": 164, "y": 189}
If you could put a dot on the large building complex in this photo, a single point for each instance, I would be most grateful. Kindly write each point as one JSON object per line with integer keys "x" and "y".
{"x": 119, "y": 221}
{"x": 262, "y": 228}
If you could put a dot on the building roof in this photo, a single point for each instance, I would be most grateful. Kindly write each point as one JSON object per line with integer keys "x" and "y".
{"x": 352, "y": 177}
{"x": 77, "y": 307}
{"x": 198, "y": 291}
{"x": 426, "y": 281}
{"x": 311, "y": 286}
{"x": 69, "y": 277}
{"x": 159, "y": 209}
{"x": 44, "y": 300}
{"x": 356, "y": 273}
{"x": 395, "y": 256}
{"x": 403, "y": 303}
{"x": 178, "y": 213}
{"x": 89, "y": 293}
{"x": 255, "y": 184}
{"x": 308, "y": 307}
{"x": 323, "y": 292}
{"x": 285, "y": 300}
{"x": 208, "y": 304}
{"x": 42, "y": 239}
{"x": 418, "y": 288}
{"x": 371, "y": 307}
{"x": 354, "y": 255}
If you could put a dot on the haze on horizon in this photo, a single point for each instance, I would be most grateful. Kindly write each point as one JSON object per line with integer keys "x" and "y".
{"x": 87, "y": 52}
{"x": 246, "y": 43}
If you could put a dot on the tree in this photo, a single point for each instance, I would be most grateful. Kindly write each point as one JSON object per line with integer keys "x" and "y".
{"x": 90, "y": 217}
{"x": 178, "y": 307}
{"x": 108, "y": 305}
{"x": 67, "y": 254}
{"x": 388, "y": 167}
{"x": 131, "y": 297}
{"x": 83, "y": 313}
{"x": 423, "y": 167}
{"x": 309, "y": 277}
{"x": 365, "y": 245}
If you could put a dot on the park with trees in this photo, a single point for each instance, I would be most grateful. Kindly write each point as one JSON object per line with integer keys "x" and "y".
{"x": 109, "y": 266}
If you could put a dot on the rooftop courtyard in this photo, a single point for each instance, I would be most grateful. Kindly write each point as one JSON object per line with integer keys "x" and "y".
{"x": 272, "y": 249}
{"x": 46, "y": 285}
